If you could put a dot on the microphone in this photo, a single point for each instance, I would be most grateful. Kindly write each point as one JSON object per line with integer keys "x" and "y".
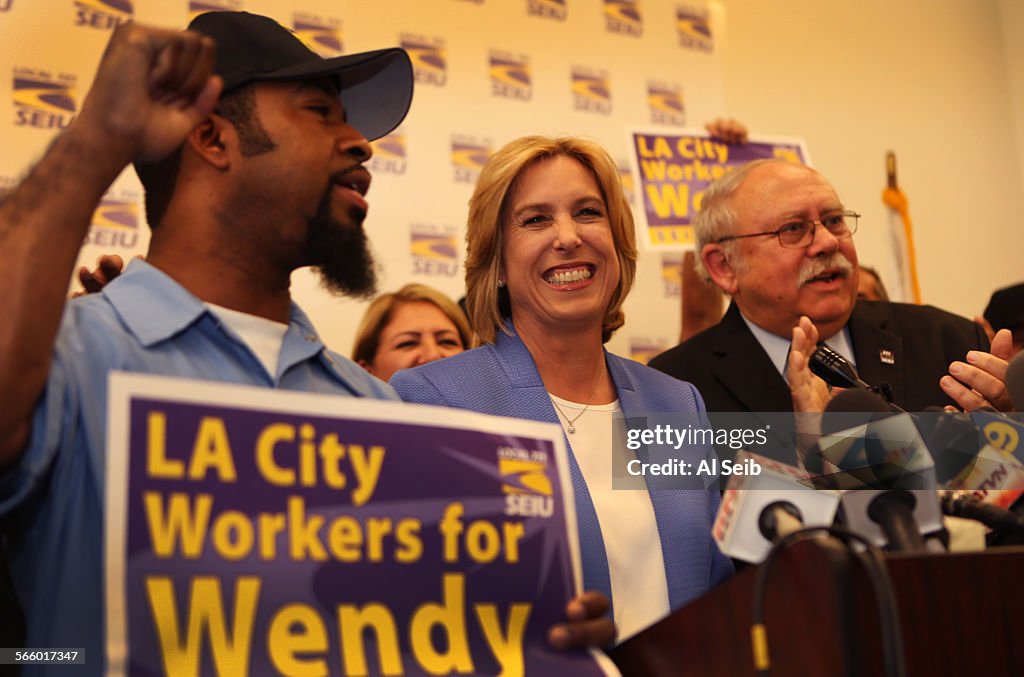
{"x": 996, "y": 475}
{"x": 847, "y": 410}
{"x": 963, "y": 504}
{"x": 758, "y": 510}
{"x": 884, "y": 468}
{"x": 974, "y": 463}
{"x": 1001, "y": 431}
{"x": 954, "y": 441}
{"x": 981, "y": 452}
{"x": 834, "y": 369}
{"x": 779, "y": 519}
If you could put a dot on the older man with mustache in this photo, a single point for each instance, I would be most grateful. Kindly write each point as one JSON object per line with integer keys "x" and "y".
{"x": 776, "y": 237}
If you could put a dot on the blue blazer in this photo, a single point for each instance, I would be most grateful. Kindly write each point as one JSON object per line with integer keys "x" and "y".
{"x": 502, "y": 379}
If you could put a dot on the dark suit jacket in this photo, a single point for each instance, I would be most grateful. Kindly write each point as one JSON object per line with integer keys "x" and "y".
{"x": 733, "y": 372}
{"x": 907, "y": 346}
{"x": 502, "y": 379}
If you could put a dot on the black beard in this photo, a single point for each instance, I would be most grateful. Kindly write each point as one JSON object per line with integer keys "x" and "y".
{"x": 341, "y": 252}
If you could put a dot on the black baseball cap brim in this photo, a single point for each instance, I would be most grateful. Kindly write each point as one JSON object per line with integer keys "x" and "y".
{"x": 375, "y": 87}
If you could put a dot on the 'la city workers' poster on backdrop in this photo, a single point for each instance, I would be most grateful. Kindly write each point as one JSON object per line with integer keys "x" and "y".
{"x": 674, "y": 168}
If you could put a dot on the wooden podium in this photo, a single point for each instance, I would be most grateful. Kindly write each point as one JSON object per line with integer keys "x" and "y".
{"x": 960, "y": 614}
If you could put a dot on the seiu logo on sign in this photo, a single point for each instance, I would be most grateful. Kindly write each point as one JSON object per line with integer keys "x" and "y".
{"x": 590, "y": 92}
{"x": 103, "y": 14}
{"x": 666, "y": 104}
{"x": 510, "y": 77}
{"x": 623, "y": 17}
{"x": 429, "y": 59}
{"x": 388, "y": 154}
{"x": 547, "y": 9}
{"x": 115, "y": 223}
{"x": 694, "y": 29}
{"x": 42, "y": 101}
{"x": 321, "y": 35}
{"x": 525, "y": 482}
{"x": 468, "y": 158}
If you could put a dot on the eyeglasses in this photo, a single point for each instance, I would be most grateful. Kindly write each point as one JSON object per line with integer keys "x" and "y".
{"x": 799, "y": 233}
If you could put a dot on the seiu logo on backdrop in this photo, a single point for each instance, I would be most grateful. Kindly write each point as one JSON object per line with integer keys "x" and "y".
{"x": 42, "y": 100}
{"x": 694, "y": 28}
{"x": 115, "y": 223}
{"x": 672, "y": 274}
{"x": 623, "y": 17}
{"x": 434, "y": 250}
{"x": 547, "y": 9}
{"x": 643, "y": 349}
{"x": 197, "y": 7}
{"x": 320, "y": 34}
{"x": 666, "y": 104}
{"x": 468, "y": 157}
{"x": 103, "y": 14}
{"x": 510, "y": 76}
{"x": 429, "y": 58}
{"x": 590, "y": 90}
{"x": 388, "y": 154}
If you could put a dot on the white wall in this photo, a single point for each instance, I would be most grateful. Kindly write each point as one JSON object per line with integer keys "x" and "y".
{"x": 1011, "y": 23}
{"x": 941, "y": 82}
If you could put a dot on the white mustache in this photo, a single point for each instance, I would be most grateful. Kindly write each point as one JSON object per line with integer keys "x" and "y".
{"x": 835, "y": 261}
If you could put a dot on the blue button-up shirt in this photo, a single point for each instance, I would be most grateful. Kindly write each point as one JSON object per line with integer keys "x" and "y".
{"x": 52, "y": 499}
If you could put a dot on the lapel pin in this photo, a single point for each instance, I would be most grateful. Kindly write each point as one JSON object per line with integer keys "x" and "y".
{"x": 885, "y": 356}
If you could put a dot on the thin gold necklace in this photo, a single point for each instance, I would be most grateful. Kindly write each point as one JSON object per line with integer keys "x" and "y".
{"x": 572, "y": 428}
{"x": 571, "y": 421}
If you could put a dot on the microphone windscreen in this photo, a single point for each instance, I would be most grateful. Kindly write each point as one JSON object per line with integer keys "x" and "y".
{"x": 954, "y": 440}
{"x": 852, "y": 408}
{"x": 848, "y": 409}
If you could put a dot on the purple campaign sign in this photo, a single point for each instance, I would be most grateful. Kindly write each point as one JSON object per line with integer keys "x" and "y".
{"x": 269, "y": 537}
{"x": 674, "y": 168}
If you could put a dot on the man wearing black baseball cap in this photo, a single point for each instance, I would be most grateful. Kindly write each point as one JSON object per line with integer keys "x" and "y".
{"x": 376, "y": 86}
{"x": 242, "y": 187}
{"x": 268, "y": 74}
